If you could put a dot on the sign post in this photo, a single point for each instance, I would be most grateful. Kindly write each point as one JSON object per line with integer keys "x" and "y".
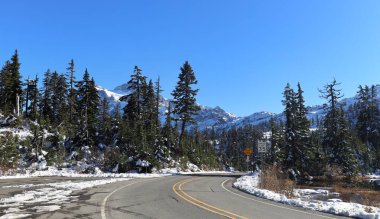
{"x": 248, "y": 152}
{"x": 262, "y": 149}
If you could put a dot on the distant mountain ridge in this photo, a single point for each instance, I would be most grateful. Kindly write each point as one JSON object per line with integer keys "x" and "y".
{"x": 216, "y": 117}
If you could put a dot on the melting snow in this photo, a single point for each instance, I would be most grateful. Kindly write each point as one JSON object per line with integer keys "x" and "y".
{"x": 46, "y": 199}
{"x": 334, "y": 206}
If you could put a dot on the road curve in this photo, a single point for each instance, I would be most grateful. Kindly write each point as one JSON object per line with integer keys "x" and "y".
{"x": 196, "y": 197}
{"x": 187, "y": 197}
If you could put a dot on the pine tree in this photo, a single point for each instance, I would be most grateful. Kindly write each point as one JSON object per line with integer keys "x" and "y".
{"x": 302, "y": 132}
{"x": 330, "y": 123}
{"x": 12, "y": 89}
{"x": 275, "y": 155}
{"x": 45, "y": 103}
{"x": 33, "y": 97}
{"x": 168, "y": 131}
{"x": 88, "y": 103}
{"x": 367, "y": 124}
{"x": 150, "y": 117}
{"x": 290, "y": 130}
{"x": 185, "y": 106}
{"x": 72, "y": 92}
{"x": 105, "y": 123}
{"x": 337, "y": 143}
{"x": 157, "y": 111}
{"x": 136, "y": 87}
{"x": 134, "y": 113}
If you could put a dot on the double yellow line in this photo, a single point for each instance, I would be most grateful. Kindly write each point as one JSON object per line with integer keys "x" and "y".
{"x": 177, "y": 188}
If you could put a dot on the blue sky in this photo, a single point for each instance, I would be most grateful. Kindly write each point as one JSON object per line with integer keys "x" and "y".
{"x": 243, "y": 52}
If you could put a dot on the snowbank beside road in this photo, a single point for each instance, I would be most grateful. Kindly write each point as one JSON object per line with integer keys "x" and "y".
{"x": 46, "y": 197}
{"x": 375, "y": 175}
{"x": 250, "y": 184}
{"x": 69, "y": 172}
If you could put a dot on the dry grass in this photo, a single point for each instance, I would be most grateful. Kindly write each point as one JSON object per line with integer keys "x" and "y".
{"x": 359, "y": 195}
{"x": 7, "y": 170}
{"x": 272, "y": 178}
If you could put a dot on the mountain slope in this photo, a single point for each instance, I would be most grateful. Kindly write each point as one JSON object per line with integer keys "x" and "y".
{"x": 218, "y": 118}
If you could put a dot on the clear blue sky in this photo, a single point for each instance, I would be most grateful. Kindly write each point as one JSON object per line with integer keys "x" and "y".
{"x": 243, "y": 52}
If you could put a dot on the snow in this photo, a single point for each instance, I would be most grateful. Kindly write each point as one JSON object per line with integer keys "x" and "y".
{"x": 22, "y": 134}
{"x": 250, "y": 184}
{"x": 47, "y": 197}
{"x": 70, "y": 172}
{"x": 375, "y": 175}
{"x": 142, "y": 163}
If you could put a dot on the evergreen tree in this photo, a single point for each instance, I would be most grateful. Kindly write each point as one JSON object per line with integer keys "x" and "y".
{"x": 277, "y": 141}
{"x": 302, "y": 132}
{"x": 157, "y": 111}
{"x": 337, "y": 142}
{"x": 105, "y": 123}
{"x": 168, "y": 131}
{"x": 367, "y": 124}
{"x": 136, "y": 86}
{"x": 135, "y": 114}
{"x": 12, "y": 85}
{"x": 150, "y": 116}
{"x": 88, "y": 102}
{"x": 33, "y": 97}
{"x": 45, "y": 103}
{"x": 290, "y": 127}
{"x": 72, "y": 92}
{"x": 185, "y": 106}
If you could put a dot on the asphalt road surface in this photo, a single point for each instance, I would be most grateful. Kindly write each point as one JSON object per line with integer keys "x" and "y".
{"x": 175, "y": 197}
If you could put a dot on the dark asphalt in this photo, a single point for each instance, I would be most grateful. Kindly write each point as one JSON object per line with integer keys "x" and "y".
{"x": 155, "y": 198}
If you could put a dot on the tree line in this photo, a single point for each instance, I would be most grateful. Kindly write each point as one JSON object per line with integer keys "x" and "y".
{"x": 69, "y": 122}
{"x": 342, "y": 141}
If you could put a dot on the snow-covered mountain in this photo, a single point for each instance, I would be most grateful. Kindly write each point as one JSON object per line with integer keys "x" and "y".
{"x": 209, "y": 117}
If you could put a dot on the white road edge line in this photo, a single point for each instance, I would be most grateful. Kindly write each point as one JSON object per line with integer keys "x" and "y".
{"x": 104, "y": 202}
{"x": 291, "y": 209}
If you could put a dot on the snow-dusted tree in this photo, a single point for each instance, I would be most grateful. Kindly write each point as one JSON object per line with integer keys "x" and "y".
{"x": 368, "y": 123}
{"x": 302, "y": 132}
{"x": 104, "y": 123}
{"x": 337, "y": 142}
{"x": 11, "y": 85}
{"x": 88, "y": 103}
{"x": 290, "y": 126}
{"x": 277, "y": 140}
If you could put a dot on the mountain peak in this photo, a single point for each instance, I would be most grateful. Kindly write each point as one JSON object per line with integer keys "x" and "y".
{"x": 122, "y": 88}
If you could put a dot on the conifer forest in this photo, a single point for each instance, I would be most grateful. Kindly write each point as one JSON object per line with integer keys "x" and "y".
{"x": 70, "y": 124}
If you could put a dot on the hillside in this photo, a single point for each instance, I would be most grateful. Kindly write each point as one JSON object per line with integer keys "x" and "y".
{"x": 218, "y": 118}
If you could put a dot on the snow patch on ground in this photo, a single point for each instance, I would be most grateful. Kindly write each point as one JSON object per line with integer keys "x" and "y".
{"x": 46, "y": 199}
{"x": 250, "y": 184}
{"x": 375, "y": 175}
{"x": 70, "y": 172}
{"x": 20, "y": 133}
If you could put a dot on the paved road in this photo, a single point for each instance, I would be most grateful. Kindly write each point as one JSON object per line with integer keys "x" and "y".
{"x": 176, "y": 197}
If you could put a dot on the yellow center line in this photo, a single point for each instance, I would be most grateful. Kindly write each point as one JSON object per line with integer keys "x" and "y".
{"x": 201, "y": 204}
{"x": 180, "y": 187}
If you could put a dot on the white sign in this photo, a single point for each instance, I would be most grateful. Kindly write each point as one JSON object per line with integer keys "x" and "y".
{"x": 262, "y": 146}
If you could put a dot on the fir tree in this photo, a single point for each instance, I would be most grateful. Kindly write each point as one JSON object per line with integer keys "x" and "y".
{"x": 45, "y": 103}
{"x": 72, "y": 92}
{"x": 185, "y": 106}
{"x": 337, "y": 142}
{"x": 12, "y": 89}
{"x": 302, "y": 130}
{"x": 290, "y": 130}
{"x": 88, "y": 103}
{"x": 105, "y": 123}
{"x": 157, "y": 111}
